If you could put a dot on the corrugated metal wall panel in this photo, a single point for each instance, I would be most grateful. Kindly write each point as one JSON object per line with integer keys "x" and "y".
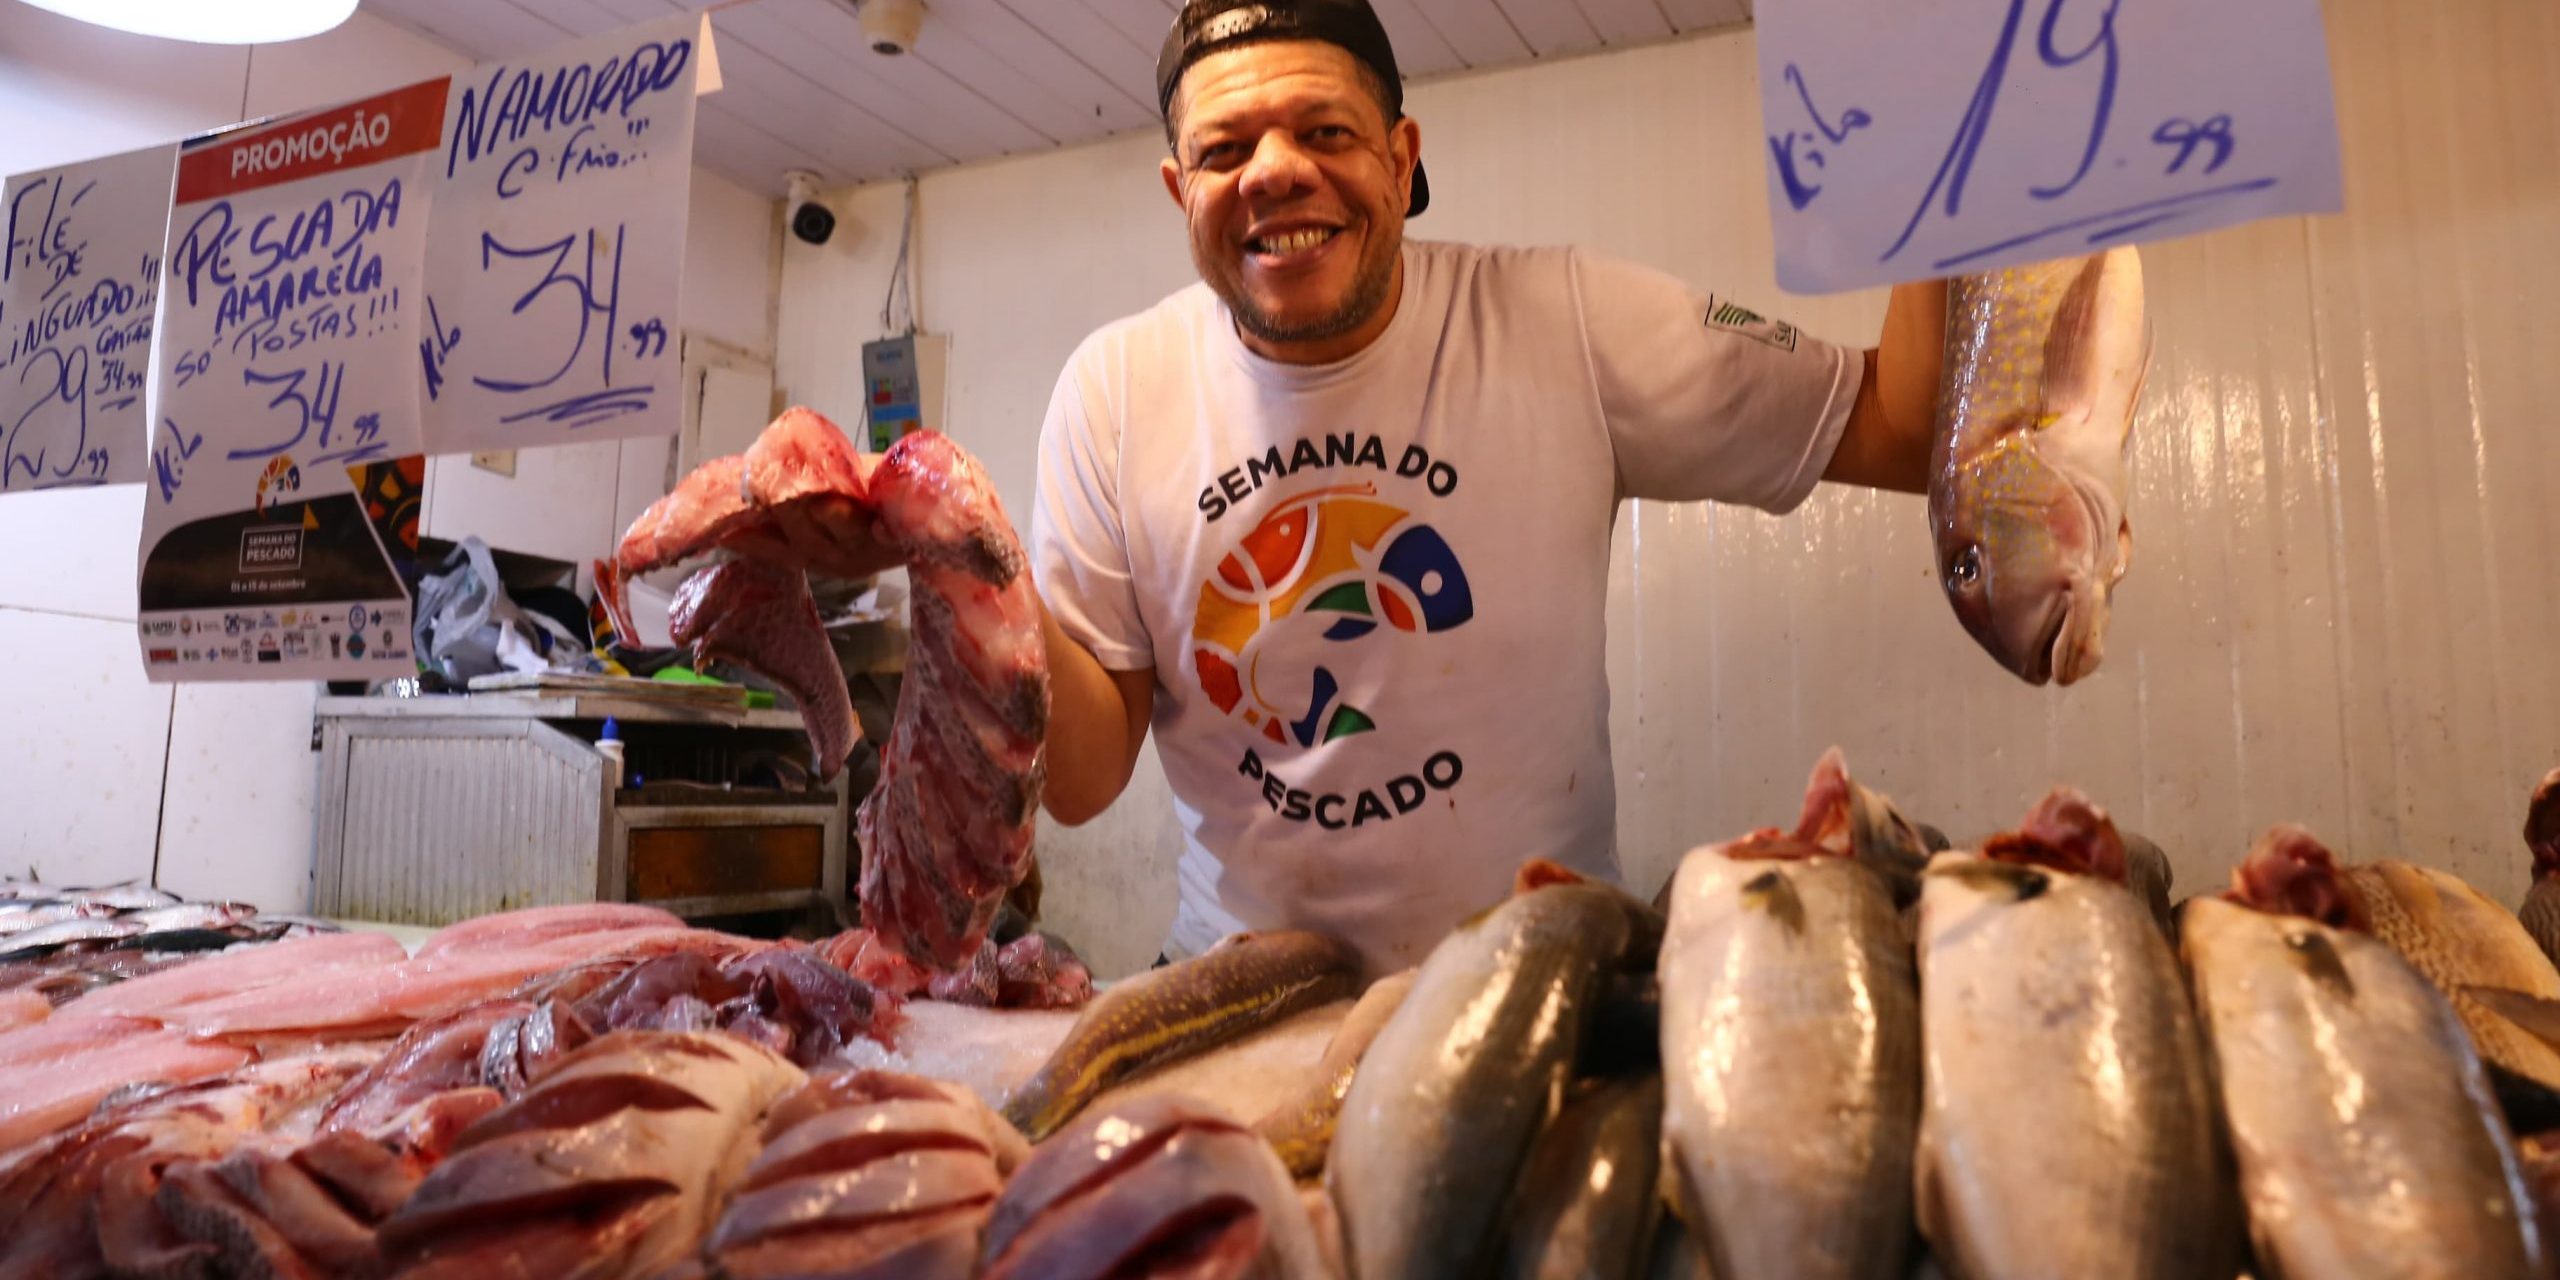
{"x": 414, "y": 855}
{"x": 2341, "y": 608}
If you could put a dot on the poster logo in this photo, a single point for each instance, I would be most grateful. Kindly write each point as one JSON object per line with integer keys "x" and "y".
{"x": 278, "y": 482}
{"x": 272, "y": 549}
{"x": 1325, "y": 569}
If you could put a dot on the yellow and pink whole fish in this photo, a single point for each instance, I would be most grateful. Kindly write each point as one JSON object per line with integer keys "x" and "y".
{"x": 2044, "y": 365}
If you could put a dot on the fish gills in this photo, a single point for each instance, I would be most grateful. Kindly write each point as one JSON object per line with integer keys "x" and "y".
{"x": 2459, "y": 939}
{"x": 1791, "y": 1051}
{"x": 1587, "y": 1201}
{"x": 1459, "y": 1081}
{"x": 2368, "y": 1142}
{"x": 1163, "y": 1015}
{"x": 2068, "y": 1123}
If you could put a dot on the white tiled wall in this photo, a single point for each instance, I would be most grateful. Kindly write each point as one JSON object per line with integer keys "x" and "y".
{"x": 2342, "y": 605}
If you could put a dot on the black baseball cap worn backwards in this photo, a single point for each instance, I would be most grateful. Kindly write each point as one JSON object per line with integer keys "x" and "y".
{"x": 1206, "y": 26}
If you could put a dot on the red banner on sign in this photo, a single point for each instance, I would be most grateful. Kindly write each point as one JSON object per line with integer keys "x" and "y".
{"x": 390, "y": 125}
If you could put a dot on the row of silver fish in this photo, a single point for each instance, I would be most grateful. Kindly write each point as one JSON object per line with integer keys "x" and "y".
{"x": 2005, "y": 1061}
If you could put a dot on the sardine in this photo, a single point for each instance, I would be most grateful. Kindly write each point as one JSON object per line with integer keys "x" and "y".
{"x": 192, "y": 915}
{"x": 1587, "y": 1203}
{"x": 2067, "y": 1124}
{"x": 2541, "y": 914}
{"x": 64, "y": 933}
{"x": 2367, "y": 1138}
{"x": 1459, "y": 1081}
{"x": 1244, "y": 983}
{"x": 17, "y": 922}
{"x": 2044, "y": 365}
{"x": 1301, "y": 1129}
{"x": 131, "y": 895}
{"x": 1790, "y": 1050}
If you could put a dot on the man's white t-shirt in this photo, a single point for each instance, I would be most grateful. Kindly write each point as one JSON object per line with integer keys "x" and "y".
{"x": 1373, "y": 592}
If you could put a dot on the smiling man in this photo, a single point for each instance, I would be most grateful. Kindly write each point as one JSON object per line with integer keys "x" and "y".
{"x": 1335, "y": 522}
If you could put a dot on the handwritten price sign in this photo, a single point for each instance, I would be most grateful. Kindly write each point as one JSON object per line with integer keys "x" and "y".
{"x": 77, "y": 291}
{"x": 1929, "y": 138}
{"x": 554, "y": 264}
{"x": 288, "y": 392}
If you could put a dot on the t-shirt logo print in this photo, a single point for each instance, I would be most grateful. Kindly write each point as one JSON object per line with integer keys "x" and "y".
{"x": 1335, "y": 558}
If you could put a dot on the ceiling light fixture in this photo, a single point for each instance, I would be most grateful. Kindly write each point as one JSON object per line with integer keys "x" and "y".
{"x": 209, "y": 21}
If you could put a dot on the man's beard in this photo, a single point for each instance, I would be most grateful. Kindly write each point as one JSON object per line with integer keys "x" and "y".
{"x": 1368, "y": 293}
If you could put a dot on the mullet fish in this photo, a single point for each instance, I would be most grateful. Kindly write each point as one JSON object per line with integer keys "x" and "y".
{"x": 1791, "y": 1051}
{"x": 1458, "y": 1083}
{"x": 2068, "y": 1124}
{"x": 2044, "y": 364}
{"x": 2369, "y": 1142}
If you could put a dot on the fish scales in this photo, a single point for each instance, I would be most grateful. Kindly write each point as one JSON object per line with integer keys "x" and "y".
{"x": 2064, "y": 1083}
{"x": 1454, "y": 1089}
{"x": 2368, "y": 1140}
{"x": 1791, "y": 1047}
{"x": 2460, "y": 939}
{"x": 1249, "y": 981}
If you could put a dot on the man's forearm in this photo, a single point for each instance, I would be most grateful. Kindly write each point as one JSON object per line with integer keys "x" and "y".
{"x": 1892, "y": 425}
{"x": 1094, "y": 732}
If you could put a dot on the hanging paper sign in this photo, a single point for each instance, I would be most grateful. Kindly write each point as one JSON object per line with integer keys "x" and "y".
{"x": 286, "y": 430}
{"x": 558, "y": 248}
{"x": 1935, "y": 138}
{"x": 77, "y": 292}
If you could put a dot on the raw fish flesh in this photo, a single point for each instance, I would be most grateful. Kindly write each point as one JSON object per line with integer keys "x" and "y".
{"x": 947, "y": 828}
{"x": 1161, "y": 1186}
{"x": 866, "y": 1175}
{"x": 610, "y": 1166}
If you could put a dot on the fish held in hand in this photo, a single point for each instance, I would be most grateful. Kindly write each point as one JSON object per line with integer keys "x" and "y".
{"x": 1791, "y": 1052}
{"x": 947, "y": 830}
{"x": 2068, "y": 1123}
{"x": 2044, "y": 366}
{"x": 2368, "y": 1140}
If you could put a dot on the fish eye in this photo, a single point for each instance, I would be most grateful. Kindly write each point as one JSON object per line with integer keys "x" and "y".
{"x": 1966, "y": 568}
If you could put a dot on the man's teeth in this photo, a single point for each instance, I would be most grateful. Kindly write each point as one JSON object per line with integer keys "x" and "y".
{"x": 1294, "y": 241}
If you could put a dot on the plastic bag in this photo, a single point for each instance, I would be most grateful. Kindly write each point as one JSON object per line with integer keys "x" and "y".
{"x": 468, "y": 626}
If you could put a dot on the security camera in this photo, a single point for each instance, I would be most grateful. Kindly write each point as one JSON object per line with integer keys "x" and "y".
{"x": 891, "y": 25}
{"x": 811, "y": 220}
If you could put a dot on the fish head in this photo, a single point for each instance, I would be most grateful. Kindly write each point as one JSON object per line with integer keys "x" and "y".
{"x": 2289, "y": 872}
{"x": 2542, "y": 826}
{"x": 2029, "y": 553}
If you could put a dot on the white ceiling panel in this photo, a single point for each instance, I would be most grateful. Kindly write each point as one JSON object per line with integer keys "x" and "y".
{"x": 1420, "y": 49}
{"x": 992, "y": 77}
{"x": 1626, "y": 21}
{"x": 1550, "y": 29}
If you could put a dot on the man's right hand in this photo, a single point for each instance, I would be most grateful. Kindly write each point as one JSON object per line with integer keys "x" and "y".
{"x": 1097, "y": 720}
